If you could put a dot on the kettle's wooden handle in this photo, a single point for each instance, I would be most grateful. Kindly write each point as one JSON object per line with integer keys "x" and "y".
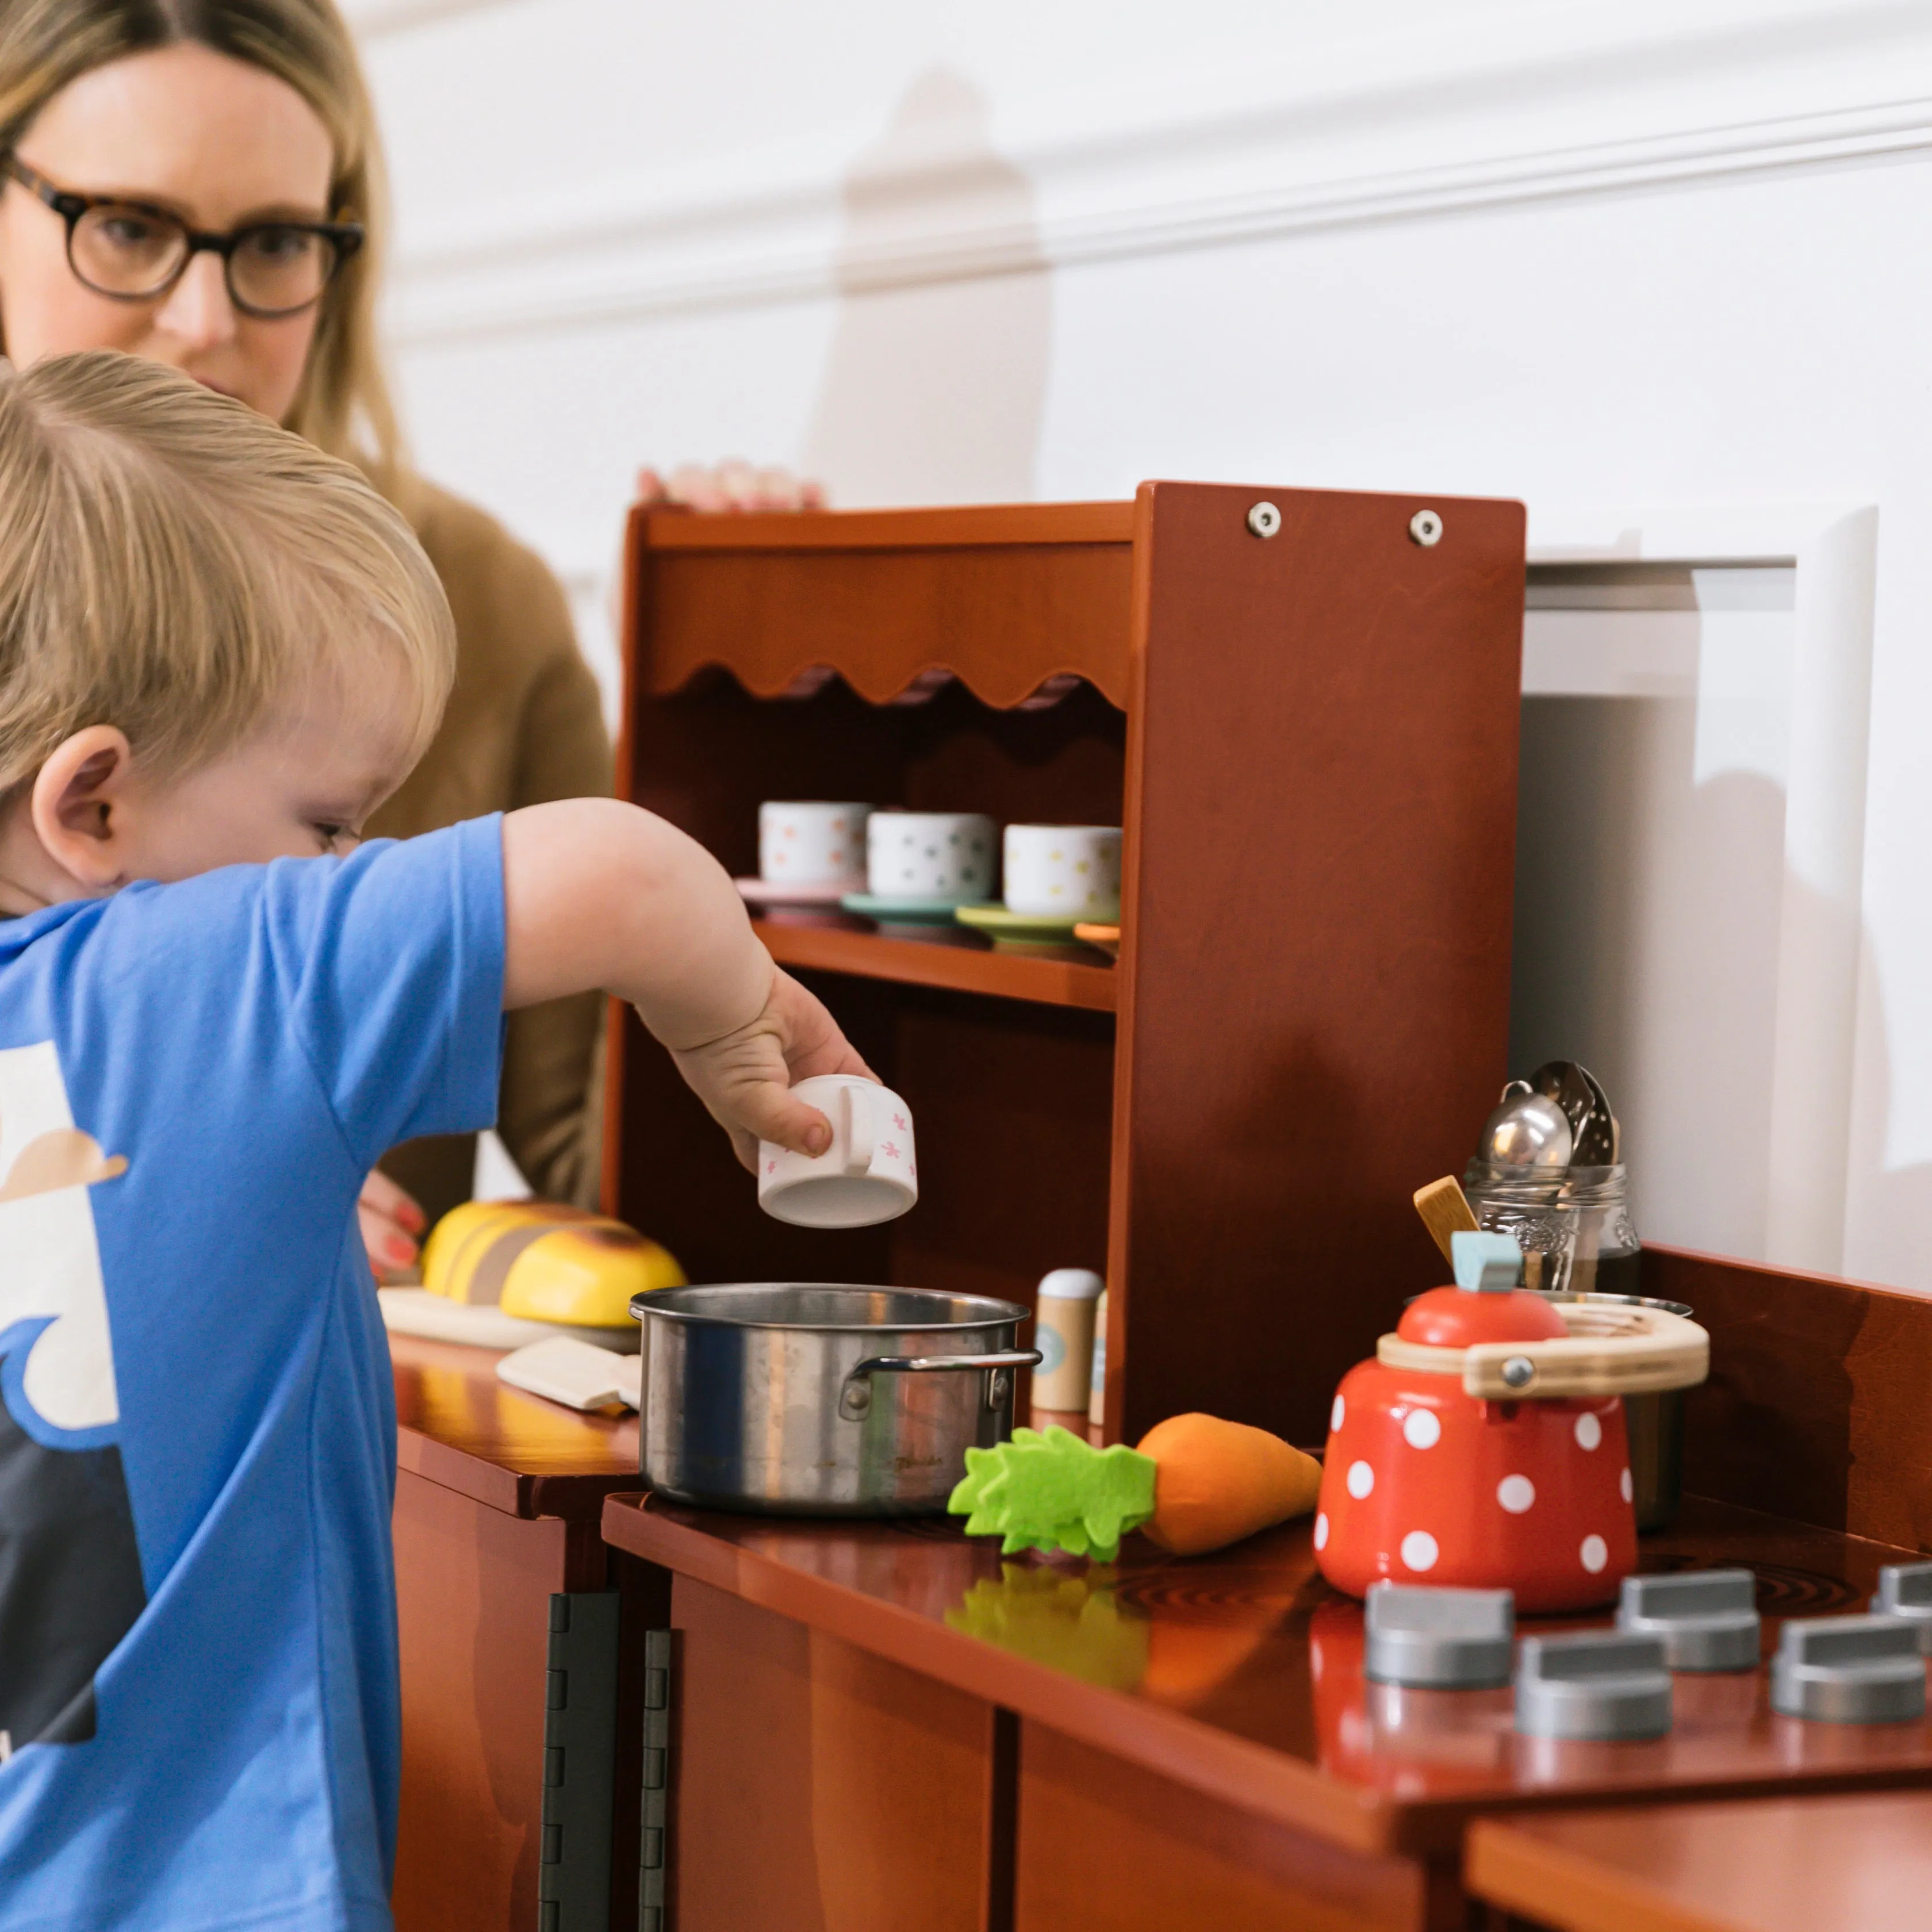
{"x": 1608, "y": 1352}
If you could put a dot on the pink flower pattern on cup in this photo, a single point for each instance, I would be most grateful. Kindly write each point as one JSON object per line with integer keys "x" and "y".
{"x": 862, "y": 1177}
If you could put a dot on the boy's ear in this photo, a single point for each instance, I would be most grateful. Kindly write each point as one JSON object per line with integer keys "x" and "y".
{"x": 80, "y": 807}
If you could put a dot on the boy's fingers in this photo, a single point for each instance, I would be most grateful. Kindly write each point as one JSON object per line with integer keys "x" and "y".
{"x": 840, "y": 1057}
{"x": 768, "y": 1112}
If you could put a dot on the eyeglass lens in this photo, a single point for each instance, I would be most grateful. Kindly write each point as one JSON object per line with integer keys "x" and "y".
{"x": 133, "y": 251}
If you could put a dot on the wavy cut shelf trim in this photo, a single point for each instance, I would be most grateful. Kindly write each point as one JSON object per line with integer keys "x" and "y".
{"x": 918, "y": 682}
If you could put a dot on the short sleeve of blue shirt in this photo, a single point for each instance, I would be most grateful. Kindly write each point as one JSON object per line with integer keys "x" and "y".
{"x": 198, "y": 1722}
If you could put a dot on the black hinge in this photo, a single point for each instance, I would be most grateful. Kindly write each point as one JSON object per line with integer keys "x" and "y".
{"x": 579, "y": 1749}
{"x": 653, "y": 1839}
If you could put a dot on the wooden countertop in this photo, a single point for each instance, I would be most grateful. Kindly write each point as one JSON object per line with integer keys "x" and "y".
{"x": 1240, "y": 1674}
{"x": 458, "y": 1425}
{"x": 1801, "y": 1864}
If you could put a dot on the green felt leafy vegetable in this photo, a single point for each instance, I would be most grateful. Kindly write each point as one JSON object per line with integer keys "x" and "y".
{"x": 1052, "y": 1491}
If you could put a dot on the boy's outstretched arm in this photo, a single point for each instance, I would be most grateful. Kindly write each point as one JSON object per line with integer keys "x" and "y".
{"x": 600, "y": 895}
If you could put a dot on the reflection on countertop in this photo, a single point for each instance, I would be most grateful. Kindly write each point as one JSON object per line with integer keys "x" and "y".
{"x": 1250, "y": 1648}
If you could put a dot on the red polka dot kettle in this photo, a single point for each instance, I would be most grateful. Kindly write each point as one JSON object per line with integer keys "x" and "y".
{"x": 1484, "y": 1445}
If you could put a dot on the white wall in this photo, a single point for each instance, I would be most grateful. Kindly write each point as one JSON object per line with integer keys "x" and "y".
{"x": 1648, "y": 256}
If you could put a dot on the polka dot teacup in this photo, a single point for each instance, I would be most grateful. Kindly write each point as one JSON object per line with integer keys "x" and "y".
{"x": 1063, "y": 872}
{"x": 809, "y": 842}
{"x": 930, "y": 855}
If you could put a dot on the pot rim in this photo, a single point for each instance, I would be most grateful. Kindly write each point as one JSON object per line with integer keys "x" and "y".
{"x": 999, "y": 1315}
{"x": 1683, "y": 1308}
{"x": 1619, "y": 1300}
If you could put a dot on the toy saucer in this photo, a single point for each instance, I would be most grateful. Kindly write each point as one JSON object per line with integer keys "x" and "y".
{"x": 931, "y": 920}
{"x": 1106, "y": 938}
{"x": 893, "y": 911}
{"x": 1012, "y": 930}
{"x": 776, "y": 892}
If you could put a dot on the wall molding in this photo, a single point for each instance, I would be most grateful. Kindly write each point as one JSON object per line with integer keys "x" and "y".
{"x": 1354, "y": 138}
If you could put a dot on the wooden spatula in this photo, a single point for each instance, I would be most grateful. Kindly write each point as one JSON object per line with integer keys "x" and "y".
{"x": 1445, "y": 1210}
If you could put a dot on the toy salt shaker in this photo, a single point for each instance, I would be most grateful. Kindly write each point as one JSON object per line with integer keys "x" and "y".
{"x": 1063, "y": 1330}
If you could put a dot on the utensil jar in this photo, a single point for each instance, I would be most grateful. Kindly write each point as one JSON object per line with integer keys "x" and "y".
{"x": 1573, "y": 1224}
{"x": 819, "y": 1399}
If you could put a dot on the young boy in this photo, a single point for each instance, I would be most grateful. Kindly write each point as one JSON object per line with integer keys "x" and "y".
{"x": 219, "y": 651}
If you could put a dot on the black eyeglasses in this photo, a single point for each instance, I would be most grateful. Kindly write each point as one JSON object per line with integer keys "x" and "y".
{"x": 130, "y": 252}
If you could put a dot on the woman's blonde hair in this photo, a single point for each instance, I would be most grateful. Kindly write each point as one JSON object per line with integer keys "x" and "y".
{"x": 175, "y": 565}
{"x": 344, "y": 405}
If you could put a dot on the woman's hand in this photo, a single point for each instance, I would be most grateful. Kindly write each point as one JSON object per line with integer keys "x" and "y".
{"x": 745, "y": 1078}
{"x": 733, "y": 484}
{"x": 390, "y": 1221}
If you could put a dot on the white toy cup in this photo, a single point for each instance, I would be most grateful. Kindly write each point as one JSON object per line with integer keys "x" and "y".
{"x": 930, "y": 855}
{"x": 868, "y": 1173}
{"x": 1064, "y": 871}
{"x": 811, "y": 842}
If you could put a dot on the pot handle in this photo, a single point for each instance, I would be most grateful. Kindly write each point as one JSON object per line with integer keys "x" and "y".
{"x": 855, "y": 1398}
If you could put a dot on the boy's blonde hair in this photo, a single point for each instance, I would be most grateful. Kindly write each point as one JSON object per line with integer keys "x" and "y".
{"x": 174, "y": 564}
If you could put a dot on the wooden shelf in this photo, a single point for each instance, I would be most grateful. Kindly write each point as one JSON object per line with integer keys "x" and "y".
{"x": 918, "y": 962}
{"x": 977, "y": 526}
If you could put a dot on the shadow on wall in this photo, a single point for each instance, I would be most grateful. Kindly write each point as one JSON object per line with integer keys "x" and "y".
{"x": 1647, "y": 928}
{"x": 934, "y": 389}
{"x": 1649, "y": 911}
{"x": 1887, "y": 1212}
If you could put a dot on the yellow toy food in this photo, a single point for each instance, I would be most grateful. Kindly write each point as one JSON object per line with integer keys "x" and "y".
{"x": 544, "y": 1262}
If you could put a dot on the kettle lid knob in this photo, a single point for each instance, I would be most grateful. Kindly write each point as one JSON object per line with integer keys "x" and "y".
{"x": 1485, "y": 1264}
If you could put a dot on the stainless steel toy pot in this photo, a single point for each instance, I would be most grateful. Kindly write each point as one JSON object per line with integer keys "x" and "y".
{"x": 1654, "y": 1420}
{"x": 818, "y": 1399}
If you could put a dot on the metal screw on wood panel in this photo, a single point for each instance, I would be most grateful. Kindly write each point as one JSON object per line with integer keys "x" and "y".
{"x": 1518, "y": 1371}
{"x": 1264, "y": 519}
{"x": 1425, "y": 527}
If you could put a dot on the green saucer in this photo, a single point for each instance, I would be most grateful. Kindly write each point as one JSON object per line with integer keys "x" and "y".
{"x": 900, "y": 912}
{"x": 1018, "y": 928}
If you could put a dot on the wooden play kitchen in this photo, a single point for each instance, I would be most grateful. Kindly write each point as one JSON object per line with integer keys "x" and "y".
{"x": 1301, "y": 706}
{"x": 620, "y": 1711}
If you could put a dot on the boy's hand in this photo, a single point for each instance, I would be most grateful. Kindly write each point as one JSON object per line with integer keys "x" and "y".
{"x": 744, "y": 1078}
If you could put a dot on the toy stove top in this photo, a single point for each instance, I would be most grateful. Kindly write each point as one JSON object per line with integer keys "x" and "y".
{"x": 1250, "y": 1648}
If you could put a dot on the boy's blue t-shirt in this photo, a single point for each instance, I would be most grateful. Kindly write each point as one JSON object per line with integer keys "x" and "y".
{"x": 198, "y": 1673}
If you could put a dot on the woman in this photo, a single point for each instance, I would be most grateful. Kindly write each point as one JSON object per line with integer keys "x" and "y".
{"x": 199, "y": 182}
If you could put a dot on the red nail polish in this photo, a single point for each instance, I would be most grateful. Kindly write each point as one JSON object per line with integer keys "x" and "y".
{"x": 400, "y": 1251}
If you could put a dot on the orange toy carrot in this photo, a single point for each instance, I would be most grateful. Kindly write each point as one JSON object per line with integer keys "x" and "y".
{"x": 1196, "y": 1483}
{"x": 1216, "y": 1482}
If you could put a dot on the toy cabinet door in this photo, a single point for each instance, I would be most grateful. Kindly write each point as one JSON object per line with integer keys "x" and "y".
{"x": 473, "y": 1588}
{"x": 1109, "y": 1847}
{"x": 816, "y": 1788}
